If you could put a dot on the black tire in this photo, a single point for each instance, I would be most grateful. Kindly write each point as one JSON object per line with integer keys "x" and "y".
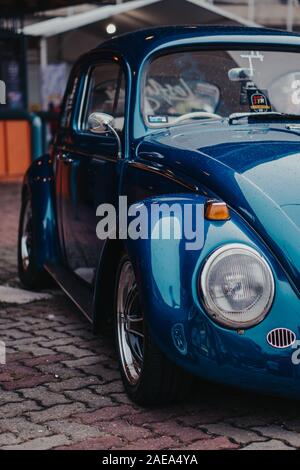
{"x": 30, "y": 275}
{"x": 160, "y": 381}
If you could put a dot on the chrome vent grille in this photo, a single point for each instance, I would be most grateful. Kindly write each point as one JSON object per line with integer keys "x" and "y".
{"x": 281, "y": 338}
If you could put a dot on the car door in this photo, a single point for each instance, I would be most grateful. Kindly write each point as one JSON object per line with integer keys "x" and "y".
{"x": 90, "y": 165}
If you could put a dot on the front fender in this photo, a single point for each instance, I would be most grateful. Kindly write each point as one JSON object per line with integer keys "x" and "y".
{"x": 39, "y": 184}
{"x": 164, "y": 269}
{"x": 168, "y": 274}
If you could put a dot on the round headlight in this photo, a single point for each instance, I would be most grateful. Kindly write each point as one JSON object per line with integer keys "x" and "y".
{"x": 237, "y": 286}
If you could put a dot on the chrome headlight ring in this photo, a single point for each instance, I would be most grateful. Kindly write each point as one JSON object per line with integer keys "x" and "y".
{"x": 236, "y": 286}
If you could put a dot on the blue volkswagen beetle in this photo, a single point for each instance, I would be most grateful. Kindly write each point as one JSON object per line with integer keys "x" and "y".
{"x": 204, "y": 117}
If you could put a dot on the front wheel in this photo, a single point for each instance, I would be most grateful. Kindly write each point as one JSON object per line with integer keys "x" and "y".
{"x": 31, "y": 276}
{"x": 148, "y": 376}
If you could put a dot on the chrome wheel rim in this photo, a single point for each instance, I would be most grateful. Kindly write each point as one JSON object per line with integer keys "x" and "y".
{"x": 130, "y": 325}
{"x": 26, "y": 237}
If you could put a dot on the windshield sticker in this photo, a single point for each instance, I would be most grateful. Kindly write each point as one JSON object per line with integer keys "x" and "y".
{"x": 251, "y": 56}
{"x": 158, "y": 119}
{"x": 259, "y": 101}
{"x": 245, "y": 87}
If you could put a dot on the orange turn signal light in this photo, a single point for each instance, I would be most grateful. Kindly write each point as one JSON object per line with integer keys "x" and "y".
{"x": 216, "y": 210}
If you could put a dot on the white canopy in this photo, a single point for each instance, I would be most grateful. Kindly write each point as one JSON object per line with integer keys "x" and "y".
{"x": 59, "y": 25}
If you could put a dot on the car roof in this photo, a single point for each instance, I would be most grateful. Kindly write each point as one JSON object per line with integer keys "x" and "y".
{"x": 136, "y": 45}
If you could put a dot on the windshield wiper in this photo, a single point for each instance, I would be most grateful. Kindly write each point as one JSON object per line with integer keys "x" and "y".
{"x": 268, "y": 116}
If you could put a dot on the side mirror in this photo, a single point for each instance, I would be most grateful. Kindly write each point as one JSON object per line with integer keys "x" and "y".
{"x": 99, "y": 123}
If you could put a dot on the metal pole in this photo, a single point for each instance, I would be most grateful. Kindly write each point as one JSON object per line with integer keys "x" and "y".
{"x": 43, "y": 52}
{"x": 290, "y": 15}
{"x": 251, "y": 10}
{"x": 24, "y": 69}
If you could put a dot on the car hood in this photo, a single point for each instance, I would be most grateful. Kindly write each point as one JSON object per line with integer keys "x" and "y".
{"x": 254, "y": 168}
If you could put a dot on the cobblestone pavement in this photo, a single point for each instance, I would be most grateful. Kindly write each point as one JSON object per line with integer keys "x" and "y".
{"x": 60, "y": 388}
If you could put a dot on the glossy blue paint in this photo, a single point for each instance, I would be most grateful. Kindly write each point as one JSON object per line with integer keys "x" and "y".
{"x": 39, "y": 183}
{"x": 254, "y": 168}
{"x": 214, "y": 352}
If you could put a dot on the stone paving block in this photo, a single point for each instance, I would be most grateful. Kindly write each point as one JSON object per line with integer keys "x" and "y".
{"x": 272, "y": 444}
{"x": 59, "y": 371}
{"x": 121, "y": 398}
{"x": 5, "y": 377}
{"x": 50, "y": 334}
{"x": 84, "y": 361}
{"x": 217, "y": 443}
{"x": 241, "y": 436}
{"x": 9, "y": 397}
{"x": 43, "y": 396}
{"x": 5, "y": 322}
{"x": 16, "y": 334}
{"x": 17, "y": 409}
{"x": 7, "y": 438}
{"x": 24, "y": 345}
{"x": 97, "y": 443}
{"x": 49, "y": 343}
{"x": 94, "y": 343}
{"x": 151, "y": 416}
{"x": 44, "y": 360}
{"x": 73, "y": 350}
{"x": 115, "y": 386}
{"x": 106, "y": 414}
{"x": 27, "y": 382}
{"x": 22, "y": 428}
{"x": 106, "y": 373}
{"x": 55, "y": 412}
{"x": 24, "y": 327}
{"x": 73, "y": 327}
{"x": 252, "y": 420}
{"x": 73, "y": 383}
{"x": 156, "y": 443}
{"x": 185, "y": 434}
{"x": 91, "y": 399}
{"x": 73, "y": 430}
{"x": 12, "y": 295}
{"x": 278, "y": 432}
{"x": 16, "y": 371}
{"x": 34, "y": 349}
{"x": 41, "y": 443}
{"x": 31, "y": 320}
{"x": 129, "y": 432}
{"x": 204, "y": 416}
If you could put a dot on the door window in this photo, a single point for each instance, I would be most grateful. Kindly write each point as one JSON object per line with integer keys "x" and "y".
{"x": 106, "y": 94}
{"x": 68, "y": 104}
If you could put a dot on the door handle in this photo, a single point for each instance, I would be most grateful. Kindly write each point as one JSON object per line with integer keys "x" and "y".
{"x": 63, "y": 157}
{"x": 68, "y": 161}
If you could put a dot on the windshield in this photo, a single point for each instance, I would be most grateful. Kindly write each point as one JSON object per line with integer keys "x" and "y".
{"x": 212, "y": 84}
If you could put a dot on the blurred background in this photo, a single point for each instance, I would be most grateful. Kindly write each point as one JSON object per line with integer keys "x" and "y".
{"x": 41, "y": 39}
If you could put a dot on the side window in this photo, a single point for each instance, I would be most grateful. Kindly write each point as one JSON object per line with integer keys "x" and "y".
{"x": 68, "y": 104}
{"x": 106, "y": 94}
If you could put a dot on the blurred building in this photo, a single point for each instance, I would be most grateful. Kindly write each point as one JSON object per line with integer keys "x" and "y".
{"x": 39, "y": 44}
{"x": 57, "y": 37}
{"x": 281, "y": 14}
{"x": 41, "y": 40}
